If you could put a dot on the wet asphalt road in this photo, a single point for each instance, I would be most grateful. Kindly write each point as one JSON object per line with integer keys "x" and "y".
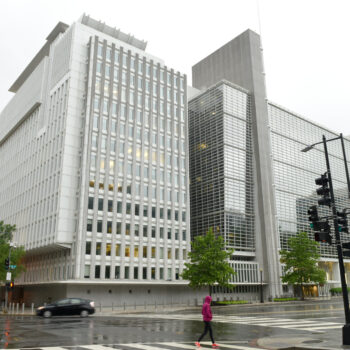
{"x": 32, "y": 331}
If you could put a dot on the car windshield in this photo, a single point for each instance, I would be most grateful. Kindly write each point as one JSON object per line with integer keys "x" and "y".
{"x": 63, "y": 302}
{"x": 76, "y": 301}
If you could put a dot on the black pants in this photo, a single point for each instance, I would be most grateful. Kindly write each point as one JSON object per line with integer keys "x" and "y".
{"x": 207, "y": 327}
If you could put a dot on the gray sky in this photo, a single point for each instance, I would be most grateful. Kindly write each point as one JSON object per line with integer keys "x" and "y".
{"x": 306, "y": 42}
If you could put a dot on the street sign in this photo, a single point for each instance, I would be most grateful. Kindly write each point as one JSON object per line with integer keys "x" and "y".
{"x": 8, "y": 276}
{"x": 13, "y": 266}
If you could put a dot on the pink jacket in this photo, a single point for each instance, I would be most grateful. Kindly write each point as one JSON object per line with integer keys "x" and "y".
{"x": 206, "y": 310}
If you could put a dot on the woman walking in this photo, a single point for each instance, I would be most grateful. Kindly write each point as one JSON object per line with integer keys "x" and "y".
{"x": 207, "y": 317}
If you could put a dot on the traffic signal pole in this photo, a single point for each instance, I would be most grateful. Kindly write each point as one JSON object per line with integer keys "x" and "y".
{"x": 346, "y": 328}
{"x": 345, "y": 164}
{"x": 6, "y": 286}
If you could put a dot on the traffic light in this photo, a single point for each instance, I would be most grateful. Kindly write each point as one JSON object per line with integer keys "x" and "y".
{"x": 346, "y": 245}
{"x": 342, "y": 221}
{"x": 313, "y": 217}
{"x": 7, "y": 263}
{"x": 12, "y": 285}
{"x": 323, "y": 190}
{"x": 323, "y": 233}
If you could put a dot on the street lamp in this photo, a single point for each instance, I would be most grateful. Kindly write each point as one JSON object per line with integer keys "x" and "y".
{"x": 346, "y": 328}
{"x": 261, "y": 286}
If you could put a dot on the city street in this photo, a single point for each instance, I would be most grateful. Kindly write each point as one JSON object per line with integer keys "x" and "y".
{"x": 235, "y": 327}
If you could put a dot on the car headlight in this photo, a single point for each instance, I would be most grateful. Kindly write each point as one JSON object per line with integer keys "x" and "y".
{"x": 40, "y": 308}
{"x": 92, "y": 304}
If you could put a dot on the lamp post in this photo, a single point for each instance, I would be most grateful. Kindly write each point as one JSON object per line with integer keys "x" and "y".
{"x": 261, "y": 286}
{"x": 346, "y": 328}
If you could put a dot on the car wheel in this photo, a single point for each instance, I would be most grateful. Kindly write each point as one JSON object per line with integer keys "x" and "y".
{"x": 84, "y": 313}
{"x": 47, "y": 314}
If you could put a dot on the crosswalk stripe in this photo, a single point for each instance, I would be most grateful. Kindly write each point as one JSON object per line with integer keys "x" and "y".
{"x": 310, "y": 326}
{"x": 325, "y": 327}
{"x": 231, "y": 346}
{"x": 145, "y": 347}
{"x": 95, "y": 347}
{"x": 52, "y": 348}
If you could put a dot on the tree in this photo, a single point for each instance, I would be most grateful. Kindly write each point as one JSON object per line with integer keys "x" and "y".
{"x": 208, "y": 263}
{"x": 6, "y": 234}
{"x": 301, "y": 262}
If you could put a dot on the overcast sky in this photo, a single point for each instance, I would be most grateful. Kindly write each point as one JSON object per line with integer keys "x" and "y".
{"x": 306, "y": 42}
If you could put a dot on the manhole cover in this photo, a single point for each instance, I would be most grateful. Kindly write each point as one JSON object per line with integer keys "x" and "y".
{"x": 313, "y": 341}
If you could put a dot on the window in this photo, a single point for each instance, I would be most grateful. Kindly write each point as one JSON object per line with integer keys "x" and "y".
{"x": 88, "y": 248}
{"x": 153, "y": 212}
{"x": 136, "y": 272}
{"x": 153, "y": 273}
{"x": 110, "y": 205}
{"x": 144, "y": 253}
{"x": 169, "y": 233}
{"x": 119, "y": 207}
{"x": 117, "y": 272}
{"x": 137, "y": 209}
{"x": 136, "y": 252}
{"x": 128, "y": 208}
{"x": 99, "y": 226}
{"x": 144, "y": 273}
{"x": 136, "y": 230}
{"x": 89, "y": 225}
{"x": 108, "y": 272}
{"x": 108, "y": 249}
{"x": 153, "y": 252}
{"x": 126, "y": 272}
{"x": 153, "y": 232}
{"x": 119, "y": 228}
{"x": 117, "y": 250}
{"x": 87, "y": 271}
{"x": 161, "y": 232}
{"x": 127, "y": 251}
{"x": 100, "y": 204}
{"x": 127, "y": 229}
{"x": 98, "y": 248}
{"x": 109, "y": 226}
{"x": 91, "y": 203}
{"x": 145, "y": 229}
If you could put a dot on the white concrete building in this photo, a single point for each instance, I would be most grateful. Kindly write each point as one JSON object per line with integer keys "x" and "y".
{"x": 94, "y": 169}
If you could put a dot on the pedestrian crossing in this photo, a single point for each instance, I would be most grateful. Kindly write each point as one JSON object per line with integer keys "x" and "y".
{"x": 311, "y": 325}
{"x": 232, "y": 345}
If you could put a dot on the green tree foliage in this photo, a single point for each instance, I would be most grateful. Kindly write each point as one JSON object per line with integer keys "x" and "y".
{"x": 301, "y": 262}
{"x": 6, "y": 233}
{"x": 208, "y": 263}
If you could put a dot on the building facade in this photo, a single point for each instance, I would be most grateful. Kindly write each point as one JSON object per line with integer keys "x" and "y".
{"x": 249, "y": 179}
{"x": 96, "y": 175}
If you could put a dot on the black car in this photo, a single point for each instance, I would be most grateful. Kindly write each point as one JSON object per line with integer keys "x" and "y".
{"x": 67, "y": 307}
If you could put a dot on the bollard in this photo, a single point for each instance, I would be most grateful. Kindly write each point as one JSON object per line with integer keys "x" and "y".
{"x": 124, "y": 306}
{"x": 135, "y": 305}
{"x": 32, "y": 308}
{"x": 145, "y": 305}
{"x": 17, "y": 308}
{"x": 22, "y": 308}
{"x": 155, "y": 304}
{"x": 112, "y": 306}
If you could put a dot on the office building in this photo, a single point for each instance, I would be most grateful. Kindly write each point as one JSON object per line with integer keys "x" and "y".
{"x": 95, "y": 169}
{"x": 249, "y": 179}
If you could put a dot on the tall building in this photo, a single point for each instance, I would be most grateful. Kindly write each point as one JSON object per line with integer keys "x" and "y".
{"x": 96, "y": 177}
{"x": 249, "y": 179}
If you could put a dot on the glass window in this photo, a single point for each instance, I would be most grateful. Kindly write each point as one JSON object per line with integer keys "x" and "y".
{"x": 127, "y": 251}
{"x": 136, "y": 272}
{"x": 136, "y": 252}
{"x": 126, "y": 272}
{"x": 119, "y": 228}
{"x": 145, "y": 229}
{"x": 144, "y": 252}
{"x": 97, "y": 271}
{"x": 136, "y": 230}
{"x": 88, "y": 248}
{"x": 87, "y": 271}
{"x": 144, "y": 273}
{"x": 89, "y": 225}
{"x": 108, "y": 271}
{"x": 108, "y": 249}
{"x": 117, "y": 250}
{"x": 99, "y": 226}
{"x": 98, "y": 248}
{"x": 117, "y": 272}
{"x": 127, "y": 229}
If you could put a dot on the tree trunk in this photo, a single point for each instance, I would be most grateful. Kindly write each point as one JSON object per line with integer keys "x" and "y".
{"x": 302, "y": 292}
{"x": 210, "y": 288}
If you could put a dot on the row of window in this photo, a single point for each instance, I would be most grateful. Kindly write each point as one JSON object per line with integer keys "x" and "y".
{"x": 172, "y": 195}
{"x": 133, "y": 63}
{"x": 146, "y": 273}
{"x": 127, "y": 230}
{"x": 138, "y": 252}
{"x": 136, "y": 211}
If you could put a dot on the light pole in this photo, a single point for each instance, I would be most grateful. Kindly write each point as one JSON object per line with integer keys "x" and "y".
{"x": 9, "y": 268}
{"x": 261, "y": 286}
{"x": 346, "y": 328}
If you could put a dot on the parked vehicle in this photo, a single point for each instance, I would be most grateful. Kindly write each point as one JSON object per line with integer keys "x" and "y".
{"x": 67, "y": 307}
